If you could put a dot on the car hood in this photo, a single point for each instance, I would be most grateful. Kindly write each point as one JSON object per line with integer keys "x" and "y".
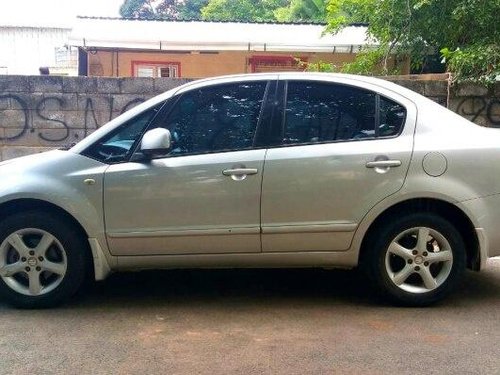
{"x": 51, "y": 163}
{"x": 20, "y": 164}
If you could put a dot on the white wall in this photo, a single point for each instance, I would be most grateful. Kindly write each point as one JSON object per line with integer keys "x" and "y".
{"x": 24, "y": 49}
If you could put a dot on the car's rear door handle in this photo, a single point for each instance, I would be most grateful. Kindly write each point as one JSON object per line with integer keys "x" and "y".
{"x": 239, "y": 174}
{"x": 383, "y": 163}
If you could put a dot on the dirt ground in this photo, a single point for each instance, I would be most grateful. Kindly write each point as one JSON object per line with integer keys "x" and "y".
{"x": 254, "y": 322}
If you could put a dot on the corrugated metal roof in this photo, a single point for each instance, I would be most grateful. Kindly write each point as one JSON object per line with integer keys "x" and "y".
{"x": 35, "y": 24}
{"x": 202, "y": 35}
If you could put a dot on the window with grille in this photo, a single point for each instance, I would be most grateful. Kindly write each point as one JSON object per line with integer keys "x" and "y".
{"x": 155, "y": 70}
{"x": 66, "y": 56}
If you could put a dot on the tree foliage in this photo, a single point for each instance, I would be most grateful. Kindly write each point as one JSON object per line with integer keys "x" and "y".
{"x": 227, "y": 10}
{"x": 467, "y": 32}
{"x": 301, "y": 10}
{"x": 163, "y": 9}
{"x": 241, "y": 10}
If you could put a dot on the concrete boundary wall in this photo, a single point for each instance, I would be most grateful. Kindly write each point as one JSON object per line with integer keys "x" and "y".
{"x": 475, "y": 102}
{"x": 38, "y": 113}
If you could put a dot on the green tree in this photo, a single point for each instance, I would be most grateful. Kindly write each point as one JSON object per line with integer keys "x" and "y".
{"x": 163, "y": 9}
{"x": 242, "y": 10}
{"x": 467, "y": 32}
{"x": 191, "y": 9}
{"x": 302, "y": 10}
{"x": 227, "y": 10}
{"x": 138, "y": 9}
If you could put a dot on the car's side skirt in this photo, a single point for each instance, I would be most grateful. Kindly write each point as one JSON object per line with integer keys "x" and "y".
{"x": 339, "y": 259}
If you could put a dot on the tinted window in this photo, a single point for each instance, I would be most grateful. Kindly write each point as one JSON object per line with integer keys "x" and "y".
{"x": 116, "y": 146}
{"x": 392, "y": 117}
{"x": 323, "y": 112}
{"x": 216, "y": 118}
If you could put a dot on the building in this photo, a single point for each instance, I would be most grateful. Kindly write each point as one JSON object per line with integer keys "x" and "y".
{"x": 120, "y": 47}
{"x": 27, "y": 47}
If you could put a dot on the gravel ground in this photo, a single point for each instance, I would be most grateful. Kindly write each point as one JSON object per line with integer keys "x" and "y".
{"x": 254, "y": 322}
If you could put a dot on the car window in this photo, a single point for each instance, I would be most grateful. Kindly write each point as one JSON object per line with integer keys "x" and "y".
{"x": 325, "y": 112}
{"x": 216, "y": 118}
{"x": 392, "y": 118}
{"x": 116, "y": 146}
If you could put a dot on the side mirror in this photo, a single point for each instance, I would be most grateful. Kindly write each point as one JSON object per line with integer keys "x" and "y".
{"x": 155, "y": 142}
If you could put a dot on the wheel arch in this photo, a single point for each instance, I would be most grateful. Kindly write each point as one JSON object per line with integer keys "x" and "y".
{"x": 29, "y": 204}
{"x": 447, "y": 210}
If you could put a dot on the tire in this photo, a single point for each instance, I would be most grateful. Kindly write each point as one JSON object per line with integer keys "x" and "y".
{"x": 415, "y": 260}
{"x": 43, "y": 259}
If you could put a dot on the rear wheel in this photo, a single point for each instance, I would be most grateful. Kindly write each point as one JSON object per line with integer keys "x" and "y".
{"x": 43, "y": 259}
{"x": 416, "y": 260}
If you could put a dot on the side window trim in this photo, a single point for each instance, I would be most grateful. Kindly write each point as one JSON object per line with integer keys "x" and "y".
{"x": 264, "y": 127}
{"x": 275, "y": 126}
{"x": 283, "y": 109}
{"x": 377, "y": 115}
{"x": 137, "y": 142}
{"x": 120, "y": 128}
{"x": 280, "y": 120}
{"x": 403, "y": 124}
{"x": 164, "y": 112}
{"x": 164, "y": 115}
{"x": 262, "y": 110}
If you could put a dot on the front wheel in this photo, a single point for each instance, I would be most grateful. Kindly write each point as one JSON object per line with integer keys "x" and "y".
{"x": 43, "y": 259}
{"x": 415, "y": 260}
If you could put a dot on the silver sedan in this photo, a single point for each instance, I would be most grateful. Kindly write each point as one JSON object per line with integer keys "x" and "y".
{"x": 271, "y": 170}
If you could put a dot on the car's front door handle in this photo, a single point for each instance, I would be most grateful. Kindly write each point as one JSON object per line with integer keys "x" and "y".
{"x": 383, "y": 163}
{"x": 239, "y": 171}
{"x": 239, "y": 174}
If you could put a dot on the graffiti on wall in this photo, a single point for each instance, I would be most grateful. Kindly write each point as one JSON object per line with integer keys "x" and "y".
{"x": 49, "y": 111}
{"x": 39, "y": 112}
{"x": 474, "y": 106}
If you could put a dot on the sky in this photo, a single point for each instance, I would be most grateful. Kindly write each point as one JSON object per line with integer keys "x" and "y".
{"x": 56, "y": 13}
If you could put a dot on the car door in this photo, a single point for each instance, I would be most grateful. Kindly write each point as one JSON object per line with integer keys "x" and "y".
{"x": 339, "y": 150}
{"x": 204, "y": 195}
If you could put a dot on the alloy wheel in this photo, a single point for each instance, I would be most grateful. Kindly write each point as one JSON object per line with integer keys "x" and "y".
{"x": 32, "y": 261}
{"x": 419, "y": 260}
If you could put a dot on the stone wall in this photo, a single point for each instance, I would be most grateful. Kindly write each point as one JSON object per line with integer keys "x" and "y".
{"x": 475, "y": 102}
{"x": 38, "y": 113}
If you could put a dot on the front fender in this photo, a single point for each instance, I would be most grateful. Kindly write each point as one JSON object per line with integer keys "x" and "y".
{"x": 65, "y": 179}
